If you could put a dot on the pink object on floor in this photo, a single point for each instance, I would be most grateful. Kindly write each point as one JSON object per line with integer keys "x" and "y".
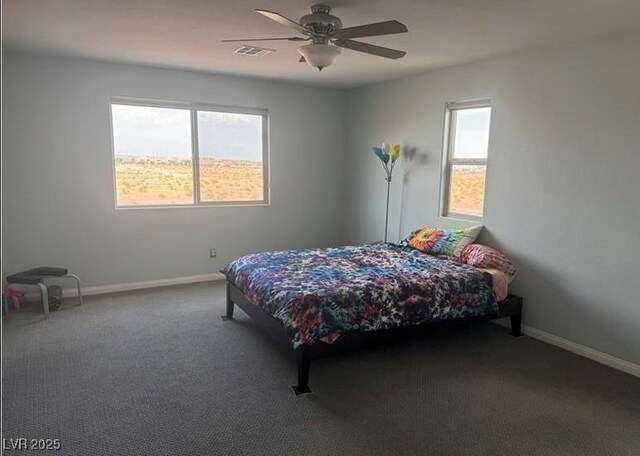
{"x": 14, "y": 293}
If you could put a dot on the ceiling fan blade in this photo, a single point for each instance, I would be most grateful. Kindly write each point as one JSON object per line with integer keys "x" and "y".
{"x": 302, "y": 60}
{"x": 283, "y": 20}
{"x": 379, "y": 28}
{"x": 295, "y": 38}
{"x": 370, "y": 49}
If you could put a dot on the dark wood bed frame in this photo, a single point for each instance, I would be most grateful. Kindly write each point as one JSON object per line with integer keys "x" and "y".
{"x": 511, "y": 307}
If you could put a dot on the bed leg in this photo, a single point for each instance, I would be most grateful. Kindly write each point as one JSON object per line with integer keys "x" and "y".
{"x": 230, "y": 305}
{"x": 516, "y": 321}
{"x": 304, "y": 363}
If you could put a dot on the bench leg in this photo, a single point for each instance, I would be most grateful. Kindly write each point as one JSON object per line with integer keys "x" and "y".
{"x": 77, "y": 279}
{"x": 45, "y": 299}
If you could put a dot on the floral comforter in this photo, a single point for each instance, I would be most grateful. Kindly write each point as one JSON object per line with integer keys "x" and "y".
{"x": 318, "y": 294}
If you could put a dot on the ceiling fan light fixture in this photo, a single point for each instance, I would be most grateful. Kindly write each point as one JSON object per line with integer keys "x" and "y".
{"x": 328, "y": 37}
{"x": 319, "y": 55}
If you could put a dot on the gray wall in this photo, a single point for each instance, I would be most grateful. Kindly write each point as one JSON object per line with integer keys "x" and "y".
{"x": 563, "y": 188}
{"x": 58, "y": 206}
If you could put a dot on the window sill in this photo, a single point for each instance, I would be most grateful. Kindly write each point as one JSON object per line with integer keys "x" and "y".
{"x": 190, "y": 206}
{"x": 462, "y": 218}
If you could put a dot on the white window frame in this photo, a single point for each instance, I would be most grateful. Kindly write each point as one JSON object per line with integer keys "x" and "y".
{"x": 194, "y": 108}
{"x": 448, "y": 160}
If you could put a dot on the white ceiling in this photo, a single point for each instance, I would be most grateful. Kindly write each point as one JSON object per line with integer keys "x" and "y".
{"x": 187, "y": 33}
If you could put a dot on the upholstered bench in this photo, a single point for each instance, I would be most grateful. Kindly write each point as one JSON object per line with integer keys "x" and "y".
{"x": 38, "y": 276}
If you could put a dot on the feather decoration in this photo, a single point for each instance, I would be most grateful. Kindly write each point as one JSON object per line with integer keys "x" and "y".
{"x": 395, "y": 152}
{"x": 384, "y": 157}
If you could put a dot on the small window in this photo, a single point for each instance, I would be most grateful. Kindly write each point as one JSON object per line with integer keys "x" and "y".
{"x": 173, "y": 154}
{"x": 230, "y": 159}
{"x": 465, "y": 164}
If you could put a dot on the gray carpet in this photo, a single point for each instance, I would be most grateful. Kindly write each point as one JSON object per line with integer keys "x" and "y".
{"x": 158, "y": 372}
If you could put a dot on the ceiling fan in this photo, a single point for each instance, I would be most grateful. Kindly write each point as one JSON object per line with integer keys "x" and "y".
{"x": 327, "y": 36}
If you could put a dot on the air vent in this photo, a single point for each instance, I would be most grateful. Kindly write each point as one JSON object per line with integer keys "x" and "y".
{"x": 253, "y": 51}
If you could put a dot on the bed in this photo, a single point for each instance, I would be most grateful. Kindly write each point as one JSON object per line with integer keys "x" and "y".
{"x": 326, "y": 301}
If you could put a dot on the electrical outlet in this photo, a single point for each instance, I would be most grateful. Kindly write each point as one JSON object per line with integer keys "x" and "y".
{"x": 213, "y": 253}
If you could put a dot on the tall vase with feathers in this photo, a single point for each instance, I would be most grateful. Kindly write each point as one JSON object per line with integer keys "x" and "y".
{"x": 388, "y": 157}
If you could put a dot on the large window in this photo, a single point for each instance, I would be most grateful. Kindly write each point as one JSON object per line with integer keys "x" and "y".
{"x": 465, "y": 164}
{"x": 174, "y": 154}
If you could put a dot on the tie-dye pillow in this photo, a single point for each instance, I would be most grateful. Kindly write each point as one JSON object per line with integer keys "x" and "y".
{"x": 482, "y": 256}
{"x": 443, "y": 241}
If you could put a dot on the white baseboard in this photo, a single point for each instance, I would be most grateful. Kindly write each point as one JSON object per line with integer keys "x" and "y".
{"x": 582, "y": 350}
{"x": 130, "y": 286}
